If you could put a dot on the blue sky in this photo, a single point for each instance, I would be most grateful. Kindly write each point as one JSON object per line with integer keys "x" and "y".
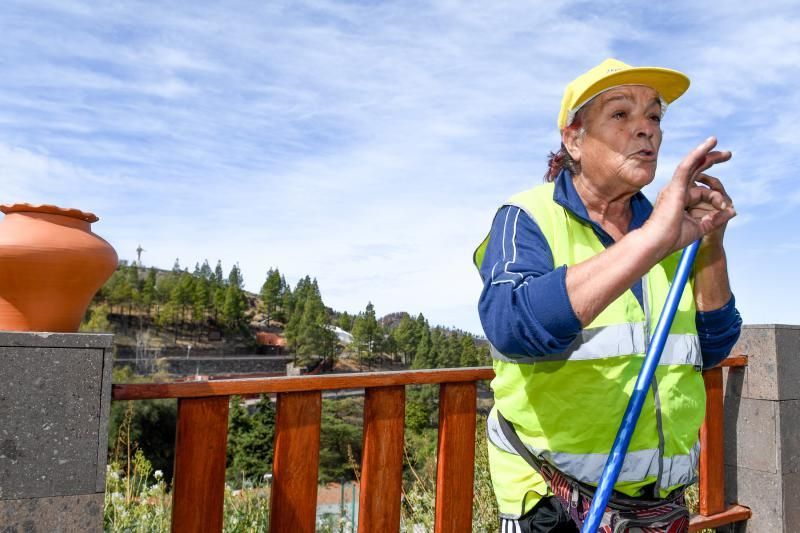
{"x": 369, "y": 143}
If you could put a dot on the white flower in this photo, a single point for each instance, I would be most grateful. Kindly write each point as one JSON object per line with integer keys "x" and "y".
{"x": 114, "y": 475}
{"x": 158, "y": 474}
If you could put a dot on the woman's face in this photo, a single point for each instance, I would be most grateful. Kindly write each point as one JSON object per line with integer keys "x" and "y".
{"x": 619, "y": 148}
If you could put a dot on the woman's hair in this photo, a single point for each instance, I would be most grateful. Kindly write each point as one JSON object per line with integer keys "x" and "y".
{"x": 559, "y": 160}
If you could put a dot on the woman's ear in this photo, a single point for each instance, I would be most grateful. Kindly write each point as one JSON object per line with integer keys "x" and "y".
{"x": 571, "y": 137}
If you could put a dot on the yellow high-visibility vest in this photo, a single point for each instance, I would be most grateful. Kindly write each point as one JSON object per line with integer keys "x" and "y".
{"x": 567, "y": 407}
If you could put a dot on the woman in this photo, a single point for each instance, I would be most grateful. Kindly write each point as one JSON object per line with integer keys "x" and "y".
{"x": 575, "y": 274}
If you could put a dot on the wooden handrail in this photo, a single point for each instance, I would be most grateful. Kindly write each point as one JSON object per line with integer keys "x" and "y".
{"x": 202, "y": 430}
{"x": 361, "y": 380}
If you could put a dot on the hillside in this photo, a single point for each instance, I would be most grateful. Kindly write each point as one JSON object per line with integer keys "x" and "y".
{"x": 173, "y": 314}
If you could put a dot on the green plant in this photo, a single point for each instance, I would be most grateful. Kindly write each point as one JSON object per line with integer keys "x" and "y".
{"x": 419, "y": 494}
{"x": 246, "y": 510}
{"x": 693, "y": 503}
{"x": 148, "y": 425}
{"x": 132, "y": 503}
{"x": 137, "y": 501}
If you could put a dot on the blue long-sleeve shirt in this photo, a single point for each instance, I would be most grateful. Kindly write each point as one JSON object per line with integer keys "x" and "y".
{"x": 524, "y": 306}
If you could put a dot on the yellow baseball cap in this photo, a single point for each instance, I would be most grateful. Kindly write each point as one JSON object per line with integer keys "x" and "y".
{"x": 669, "y": 84}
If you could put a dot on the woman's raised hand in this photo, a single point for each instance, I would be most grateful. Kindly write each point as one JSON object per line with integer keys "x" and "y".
{"x": 685, "y": 211}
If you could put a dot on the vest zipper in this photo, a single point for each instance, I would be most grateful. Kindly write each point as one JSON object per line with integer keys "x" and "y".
{"x": 654, "y": 386}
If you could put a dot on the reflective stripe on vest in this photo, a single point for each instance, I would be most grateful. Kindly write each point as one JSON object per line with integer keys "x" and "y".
{"x": 639, "y": 464}
{"x": 616, "y": 340}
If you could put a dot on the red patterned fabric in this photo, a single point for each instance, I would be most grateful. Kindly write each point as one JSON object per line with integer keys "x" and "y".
{"x": 669, "y": 517}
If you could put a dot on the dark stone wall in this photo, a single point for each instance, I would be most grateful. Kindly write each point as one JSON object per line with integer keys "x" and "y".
{"x": 762, "y": 429}
{"x": 55, "y": 396}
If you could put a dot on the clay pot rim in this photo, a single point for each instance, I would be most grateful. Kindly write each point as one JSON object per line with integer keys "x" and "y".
{"x": 49, "y": 210}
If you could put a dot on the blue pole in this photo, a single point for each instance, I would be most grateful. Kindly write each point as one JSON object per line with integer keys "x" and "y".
{"x": 629, "y": 419}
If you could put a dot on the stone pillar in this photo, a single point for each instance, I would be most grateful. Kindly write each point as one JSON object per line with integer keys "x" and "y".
{"x": 762, "y": 429}
{"x": 55, "y": 396}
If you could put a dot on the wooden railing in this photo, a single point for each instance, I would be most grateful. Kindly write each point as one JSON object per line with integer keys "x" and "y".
{"x": 199, "y": 476}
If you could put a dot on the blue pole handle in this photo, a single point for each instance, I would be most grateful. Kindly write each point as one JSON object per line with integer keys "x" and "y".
{"x": 643, "y": 381}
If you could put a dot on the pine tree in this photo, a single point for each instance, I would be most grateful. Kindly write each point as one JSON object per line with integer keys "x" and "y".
{"x": 183, "y": 292}
{"x": 285, "y": 301}
{"x": 316, "y": 338}
{"x": 469, "y": 352}
{"x": 201, "y": 299}
{"x": 345, "y": 321}
{"x": 135, "y": 300}
{"x": 422, "y": 405}
{"x": 119, "y": 290}
{"x": 300, "y": 295}
{"x": 389, "y": 345}
{"x": 180, "y": 298}
{"x": 205, "y": 271}
{"x": 250, "y": 441}
{"x": 308, "y": 331}
{"x": 437, "y": 354}
{"x": 218, "y": 302}
{"x": 98, "y": 322}
{"x": 340, "y": 439}
{"x": 149, "y": 290}
{"x": 294, "y": 318}
{"x": 271, "y": 292}
{"x": 294, "y": 310}
{"x": 424, "y": 357}
{"x": 366, "y": 333}
{"x": 164, "y": 287}
{"x": 219, "y": 277}
{"x": 235, "y": 302}
{"x": 406, "y": 336}
{"x": 233, "y": 307}
{"x": 235, "y": 277}
{"x": 167, "y": 315}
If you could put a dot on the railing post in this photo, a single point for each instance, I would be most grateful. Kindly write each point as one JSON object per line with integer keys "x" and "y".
{"x": 382, "y": 459}
{"x": 455, "y": 459}
{"x": 199, "y": 481}
{"x": 714, "y": 511}
{"x": 712, "y": 460}
{"x": 293, "y": 506}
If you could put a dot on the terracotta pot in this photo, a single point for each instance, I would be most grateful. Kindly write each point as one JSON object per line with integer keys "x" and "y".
{"x": 51, "y": 265}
